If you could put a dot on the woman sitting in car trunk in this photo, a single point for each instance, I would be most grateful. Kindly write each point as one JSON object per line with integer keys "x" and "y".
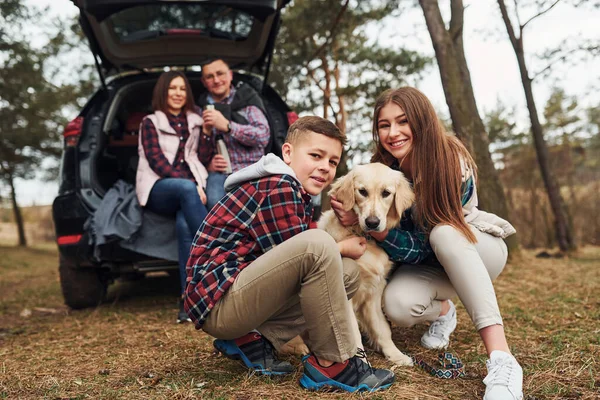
{"x": 170, "y": 179}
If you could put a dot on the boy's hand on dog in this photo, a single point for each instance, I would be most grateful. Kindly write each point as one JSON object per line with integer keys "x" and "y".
{"x": 347, "y": 218}
{"x": 353, "y": 247}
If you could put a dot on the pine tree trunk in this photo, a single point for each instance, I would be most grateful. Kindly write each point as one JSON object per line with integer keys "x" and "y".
{"x": 17, "y": 213}
{"x": 564, "y": 235}
{"x": 572, "y": 204}
{"x": 327, "y": 90}
{"x": 466, "y": 122}
{"x": 533, "y": 206}
{"x": 342, "y": 116}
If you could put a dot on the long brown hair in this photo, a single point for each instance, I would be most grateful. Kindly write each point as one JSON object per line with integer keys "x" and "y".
{"x": 161, "y": 91}
{"x": 435, "y": 161}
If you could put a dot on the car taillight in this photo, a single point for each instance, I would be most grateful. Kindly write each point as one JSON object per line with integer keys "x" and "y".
{"x": 292, "y": 117}
{"x": 68, "y": 239}
{"x": 73, "y": 132}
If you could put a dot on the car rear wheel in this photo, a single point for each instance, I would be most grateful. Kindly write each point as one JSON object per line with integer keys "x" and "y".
{"x": 81, "y": 287}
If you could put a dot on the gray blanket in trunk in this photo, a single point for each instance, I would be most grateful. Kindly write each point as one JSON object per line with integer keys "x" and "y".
{"x": 121, "y": 218}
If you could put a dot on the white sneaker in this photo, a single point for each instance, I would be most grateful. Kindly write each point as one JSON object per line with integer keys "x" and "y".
{"x": 438, "y": 335}
{"x": 505, "y": 377}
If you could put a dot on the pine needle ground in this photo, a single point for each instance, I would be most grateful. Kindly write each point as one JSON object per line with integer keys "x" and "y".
{"x": 130, "y": 347}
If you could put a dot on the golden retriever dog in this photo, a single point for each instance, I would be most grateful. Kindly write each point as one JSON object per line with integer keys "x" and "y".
{"x": 379, "y": 195}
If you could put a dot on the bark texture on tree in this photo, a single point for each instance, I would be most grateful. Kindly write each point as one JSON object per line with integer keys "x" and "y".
{"x": 458, "y": 90}
{"x": 17, "y": 213}
{"x": 564, "y": 234}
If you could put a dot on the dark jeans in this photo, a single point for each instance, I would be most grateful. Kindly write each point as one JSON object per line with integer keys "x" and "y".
{"x": 215, "y": 188}
{"x": 179, "y": 197}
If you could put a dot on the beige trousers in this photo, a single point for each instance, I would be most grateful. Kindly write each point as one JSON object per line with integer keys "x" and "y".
{"x": 414, "y": 292}
{"x": 300, "y": 285}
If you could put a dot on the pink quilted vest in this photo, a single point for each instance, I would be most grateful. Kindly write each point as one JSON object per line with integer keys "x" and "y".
{"x": 169, "y": 143}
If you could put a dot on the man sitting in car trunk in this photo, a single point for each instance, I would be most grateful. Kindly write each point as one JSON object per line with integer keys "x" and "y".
{"x": 235, "y": 114}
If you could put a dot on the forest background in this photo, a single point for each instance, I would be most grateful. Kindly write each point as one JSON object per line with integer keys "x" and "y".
{"x": 536, "y": 143}
{"x": 518, "y": 82}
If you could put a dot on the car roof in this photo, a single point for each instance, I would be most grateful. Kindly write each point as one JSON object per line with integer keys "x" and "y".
{"x": 139, "y": 34}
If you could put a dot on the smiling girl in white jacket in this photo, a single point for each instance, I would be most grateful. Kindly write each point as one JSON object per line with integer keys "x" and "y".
{"x": 467, "y": 243}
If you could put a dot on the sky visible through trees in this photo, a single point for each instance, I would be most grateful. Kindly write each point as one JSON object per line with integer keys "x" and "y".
{"x": 490, "y": 58}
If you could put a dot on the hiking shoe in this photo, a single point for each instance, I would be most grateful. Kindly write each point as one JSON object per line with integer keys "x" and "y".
{"x": 438, "y": 335}
{"x": 256, "y": 352}
{"x": 504, "y": 380}
{"x": 355, "y": 374}
{"x": 182, "y": 315}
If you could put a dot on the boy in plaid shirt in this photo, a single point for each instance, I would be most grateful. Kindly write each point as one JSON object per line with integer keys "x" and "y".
{"x": 260, "y": 273}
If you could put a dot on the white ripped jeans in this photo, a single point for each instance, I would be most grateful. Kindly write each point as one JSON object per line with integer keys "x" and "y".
{"x": 415, "y": 292}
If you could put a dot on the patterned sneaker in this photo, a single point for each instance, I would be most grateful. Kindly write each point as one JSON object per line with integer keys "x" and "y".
{"x": 182, "y": 315}
{"x": 352, "y": 375}
{"x": 438, "y": 335}
{"x": 504, "y": 380}
{"x": 255, "y": 352}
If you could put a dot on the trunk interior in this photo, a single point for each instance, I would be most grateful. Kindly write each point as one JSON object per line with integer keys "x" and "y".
{"x": 117, "y": 154}
{"x": 108, "y": 148}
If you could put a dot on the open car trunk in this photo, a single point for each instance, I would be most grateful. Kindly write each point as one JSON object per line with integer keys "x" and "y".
{"x": 138, "y": 34}
{"x": 115, "y": 155}
{"x": 109, "y": 148}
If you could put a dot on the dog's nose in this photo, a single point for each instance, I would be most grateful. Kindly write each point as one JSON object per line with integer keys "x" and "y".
{"x": 372, "y": 222}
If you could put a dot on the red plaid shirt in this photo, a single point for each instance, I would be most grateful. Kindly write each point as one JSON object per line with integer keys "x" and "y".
{"x": 155, "y": 156}
{"x": 245, "y": 224}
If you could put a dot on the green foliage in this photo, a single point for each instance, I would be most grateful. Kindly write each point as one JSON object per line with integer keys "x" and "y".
{"x": 561, "y": 116}
{"x": 566, "y": 125}
{"x": 306, "y": 52}
{"x": 330, "y": 67}
{"x": 593, "y": 116}
{"x": 500, "y": 126}
{"x": 574, "y": 150}
{"x": 33, "y": 103}
{"x": 592, "y": 143}
{"x": 512, "y": 148}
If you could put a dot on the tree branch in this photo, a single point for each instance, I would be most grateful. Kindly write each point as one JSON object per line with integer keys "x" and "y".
{"x": 563, "y": 57}
{"x": 435, "y": 22}
{"x": 539, "y": 14}
{"x": 331, "y": 31}
{"x": 508, "y": 24}
{"x": 311, "y": 74}
{"x": 334, "y": 114}
{"x": 517, "y": 12}
{"x": 456, "y": 18}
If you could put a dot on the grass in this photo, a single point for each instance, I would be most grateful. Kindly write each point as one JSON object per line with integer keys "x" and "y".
{"x": 130, "y": 348}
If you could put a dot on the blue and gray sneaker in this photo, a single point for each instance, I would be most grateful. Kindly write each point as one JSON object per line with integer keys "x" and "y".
{"x": 355, "y": 374}
{"x": 256, "y": 352}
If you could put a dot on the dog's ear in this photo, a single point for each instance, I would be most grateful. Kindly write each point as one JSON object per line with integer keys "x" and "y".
{"x": 403, "y": 199}
{"x": 343, "y": 190}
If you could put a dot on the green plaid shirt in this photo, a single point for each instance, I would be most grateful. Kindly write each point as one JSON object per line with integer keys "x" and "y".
{"x": 408, "y": 243}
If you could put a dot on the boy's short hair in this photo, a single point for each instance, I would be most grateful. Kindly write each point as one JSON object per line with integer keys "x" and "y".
{"x": 315, "y": 124}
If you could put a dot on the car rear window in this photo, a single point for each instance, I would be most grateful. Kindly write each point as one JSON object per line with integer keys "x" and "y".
{"x": 150, "y": 21}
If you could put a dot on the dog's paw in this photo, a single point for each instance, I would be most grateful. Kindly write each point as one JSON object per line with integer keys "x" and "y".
{"x": 301, "y": 349}
{"x": 401, "y": 360}
{"x": 295, "y": 346}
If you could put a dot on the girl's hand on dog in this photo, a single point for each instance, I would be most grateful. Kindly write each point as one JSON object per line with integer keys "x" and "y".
{"x": 347, "y": 218}
{"x": 353, "y": 247}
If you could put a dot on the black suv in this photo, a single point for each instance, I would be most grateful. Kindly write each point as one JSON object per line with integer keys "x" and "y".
{"x": 132, "y": 42}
